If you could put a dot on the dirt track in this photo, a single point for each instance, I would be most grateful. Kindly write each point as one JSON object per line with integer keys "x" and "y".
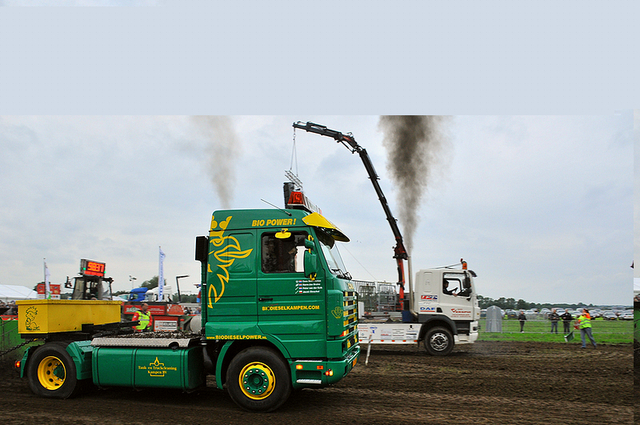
{"x": 489, "y": 382}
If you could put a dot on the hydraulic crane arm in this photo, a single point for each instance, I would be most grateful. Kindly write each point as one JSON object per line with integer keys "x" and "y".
{"x": 400, "y": 253}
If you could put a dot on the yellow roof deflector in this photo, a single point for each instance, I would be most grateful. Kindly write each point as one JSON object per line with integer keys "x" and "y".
{"x": 316, "y": 220}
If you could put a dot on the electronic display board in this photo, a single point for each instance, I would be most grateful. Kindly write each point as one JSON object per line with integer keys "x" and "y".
{"x": 92, "y": 268}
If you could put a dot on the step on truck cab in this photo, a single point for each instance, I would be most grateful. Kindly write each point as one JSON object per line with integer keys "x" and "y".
{"x": 279, "y": 313}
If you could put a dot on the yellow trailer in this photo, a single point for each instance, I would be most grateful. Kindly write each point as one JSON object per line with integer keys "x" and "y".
{"x": 37, "y": 318}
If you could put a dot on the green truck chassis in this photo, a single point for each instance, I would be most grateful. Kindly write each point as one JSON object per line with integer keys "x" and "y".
{"x": 278, "y": 313}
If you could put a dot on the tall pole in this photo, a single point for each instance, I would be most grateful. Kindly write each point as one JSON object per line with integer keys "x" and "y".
{"x": 178, "y": 285}
{"x": 47, "y": 289}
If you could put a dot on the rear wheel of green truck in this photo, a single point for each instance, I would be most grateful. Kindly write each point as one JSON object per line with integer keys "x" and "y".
{"x": 258, "y": 379}
{"x": 438, "y": 341}
{"x": 51, "y": 372}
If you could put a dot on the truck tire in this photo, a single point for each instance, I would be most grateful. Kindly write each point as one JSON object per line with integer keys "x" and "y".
{"x": 438, "y": 341}
{"x": 51, "y": 372}
{"x": 258, "y": 379}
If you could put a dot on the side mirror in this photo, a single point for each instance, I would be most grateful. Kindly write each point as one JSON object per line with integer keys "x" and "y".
{"x": 202, "y": 245}
{"x": 310, "y": 260}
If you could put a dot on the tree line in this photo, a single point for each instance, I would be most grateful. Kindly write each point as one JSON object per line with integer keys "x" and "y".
{"x": 512, "y": 304}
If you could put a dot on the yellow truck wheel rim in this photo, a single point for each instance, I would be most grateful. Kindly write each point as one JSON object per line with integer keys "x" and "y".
{"x": 257, "y": 381}
{"x": 51, "y": 373}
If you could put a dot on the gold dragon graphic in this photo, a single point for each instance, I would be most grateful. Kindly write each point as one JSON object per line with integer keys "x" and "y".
{"x": 226, "y": 249}
{"x": 29, "y": 319}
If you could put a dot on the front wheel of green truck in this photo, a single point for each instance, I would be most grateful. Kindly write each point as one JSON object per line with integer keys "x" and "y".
{"x": 51, "y": 372}
{"x": 258, "y": 379}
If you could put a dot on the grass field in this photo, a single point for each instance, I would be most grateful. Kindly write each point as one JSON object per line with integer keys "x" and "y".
{"x": 604, "y": 331}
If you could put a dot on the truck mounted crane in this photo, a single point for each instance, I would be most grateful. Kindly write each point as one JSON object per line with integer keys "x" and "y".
{"x": 399, "y": 251}
{"x": 441, "y": 306}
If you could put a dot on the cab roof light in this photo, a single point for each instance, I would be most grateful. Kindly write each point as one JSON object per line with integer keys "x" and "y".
{"x": 296, "y": 198}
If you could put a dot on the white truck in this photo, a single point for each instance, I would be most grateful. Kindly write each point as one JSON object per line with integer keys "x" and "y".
{"x": 443, "y": 311}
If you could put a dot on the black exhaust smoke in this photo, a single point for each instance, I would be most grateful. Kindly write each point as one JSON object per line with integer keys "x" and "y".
{"x": 222, "y": 150}
{"x": 414, "y": 147}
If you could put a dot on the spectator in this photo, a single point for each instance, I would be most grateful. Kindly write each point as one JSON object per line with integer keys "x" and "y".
{"x": 566, "y": 321}
{"x": 522, "y": 318}
{"x": 13, "y": 309}
{"x": 554, "y": 317}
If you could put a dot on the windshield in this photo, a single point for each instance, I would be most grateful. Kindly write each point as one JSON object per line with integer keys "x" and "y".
{"x": 91, "y": 289}
{"x": 332, "y": 255}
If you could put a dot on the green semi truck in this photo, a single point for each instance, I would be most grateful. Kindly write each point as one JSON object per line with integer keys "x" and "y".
{"x": 279, "y": 313}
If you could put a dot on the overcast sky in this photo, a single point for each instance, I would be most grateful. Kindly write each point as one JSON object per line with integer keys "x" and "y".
{"x": 532, "y": 183}
{"x": 541, "y": 207}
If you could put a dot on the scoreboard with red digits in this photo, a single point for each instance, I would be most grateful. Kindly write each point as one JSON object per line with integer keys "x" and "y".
{"x": 92, "y": 268}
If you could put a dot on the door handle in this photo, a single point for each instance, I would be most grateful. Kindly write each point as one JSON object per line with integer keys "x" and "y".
{"x": 265, "y": 299}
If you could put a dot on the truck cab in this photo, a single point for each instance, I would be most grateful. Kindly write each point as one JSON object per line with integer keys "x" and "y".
{"x": 276, "y": 295}
{"x": 151, "y": 295}
{"x": 446, "y": 303}
{"x": 442, "y": 310}
{"x": 138, "y": 294}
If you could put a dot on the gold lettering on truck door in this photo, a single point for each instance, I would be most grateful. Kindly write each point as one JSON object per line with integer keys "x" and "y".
{"x": 229, "y": 250}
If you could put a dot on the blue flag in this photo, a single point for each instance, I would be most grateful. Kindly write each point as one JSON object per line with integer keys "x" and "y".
{"x": 161, "y": 276}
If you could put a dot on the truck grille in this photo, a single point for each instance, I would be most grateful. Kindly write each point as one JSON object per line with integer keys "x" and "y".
{"x": 350, "y": 319}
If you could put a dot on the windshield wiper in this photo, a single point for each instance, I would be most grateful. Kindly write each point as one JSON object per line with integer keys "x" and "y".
{"x": 341, "y": 274}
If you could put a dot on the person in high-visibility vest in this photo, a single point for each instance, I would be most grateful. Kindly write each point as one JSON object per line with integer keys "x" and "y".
{"x": 144, "y": 316}
{"x": 584, "y": 324}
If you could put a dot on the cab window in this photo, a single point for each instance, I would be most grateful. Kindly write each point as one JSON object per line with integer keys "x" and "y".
{"x": 453, "y": 284}
{"x": 283, "y": 255}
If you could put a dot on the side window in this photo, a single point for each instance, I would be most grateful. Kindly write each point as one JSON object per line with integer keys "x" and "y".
{"x": 451, "y": 283}
{"x": 283, "y": 255}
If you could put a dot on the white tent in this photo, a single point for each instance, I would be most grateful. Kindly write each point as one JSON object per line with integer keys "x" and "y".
{"x": 16, "y": 292}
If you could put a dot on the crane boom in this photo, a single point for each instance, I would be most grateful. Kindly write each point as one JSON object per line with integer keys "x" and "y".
{"x": 400, "y": 253}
